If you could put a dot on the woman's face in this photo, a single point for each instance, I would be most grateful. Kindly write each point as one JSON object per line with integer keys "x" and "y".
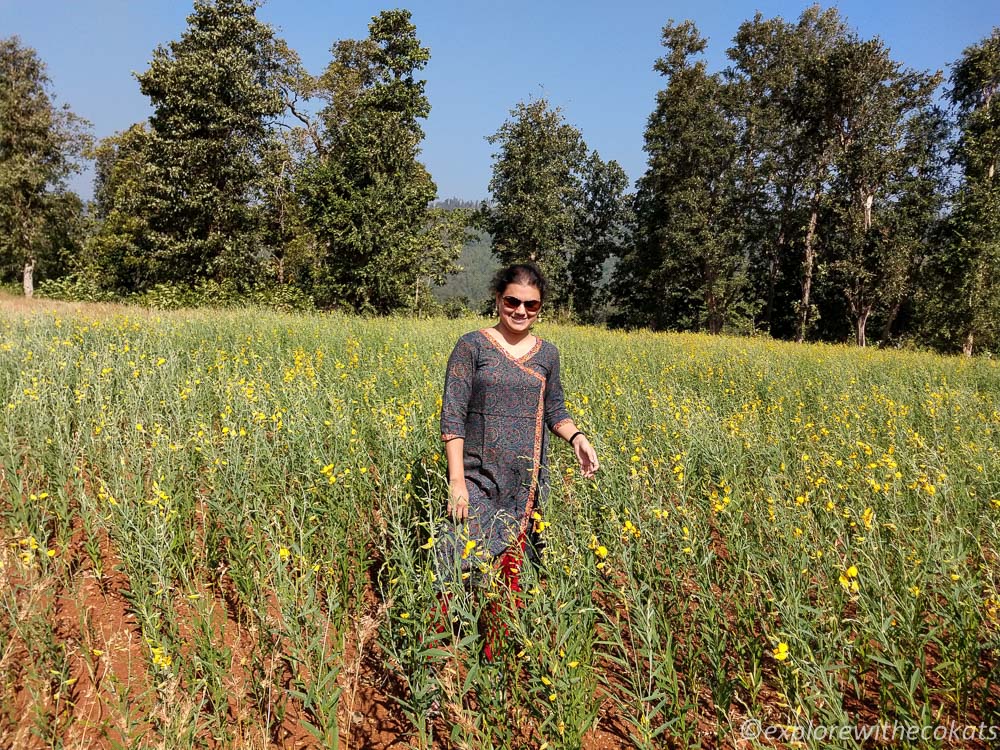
{"x": 518, "y": 319}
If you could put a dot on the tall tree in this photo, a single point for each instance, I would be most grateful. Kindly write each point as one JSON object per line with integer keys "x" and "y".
{"x": 883, "y": 155}
{"x": 786, "y": 142}
{"x": 603, "y": 222}
{"x": 366, "y": 192}
{"x": 40, "y": 144}
{"x": 119, "y": 249}
{"x": 970, "y": 261}
{"x": 556, "y": 203}
{"x": 687, "y": 268}
{"x": 215, "y": 96}
{"x": 536, "y": 188}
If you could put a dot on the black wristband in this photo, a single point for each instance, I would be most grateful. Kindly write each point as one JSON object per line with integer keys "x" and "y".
{"x": 573, "y": 437}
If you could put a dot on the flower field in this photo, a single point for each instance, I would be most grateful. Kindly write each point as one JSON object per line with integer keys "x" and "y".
{"x": 217, "y": 530}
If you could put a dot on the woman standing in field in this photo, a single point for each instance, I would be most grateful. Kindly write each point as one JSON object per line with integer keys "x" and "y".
{"x": 502, "y": 389}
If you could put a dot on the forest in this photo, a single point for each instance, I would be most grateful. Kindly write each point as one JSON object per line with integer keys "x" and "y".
{"x": 814, "y": 189}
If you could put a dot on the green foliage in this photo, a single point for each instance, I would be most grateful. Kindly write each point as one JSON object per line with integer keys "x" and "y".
{"x": 181, "y": 201}
{"x": 364, "y": 190}
{"x": 210, "y": 293}
{"x": 784, "y": 160}
{"x": 964, "y": 272}
{"x": 554, "y": 203}
{"x": 888, "y": 169}
{"x": 86, "y": 285}
{"x": 40, "y": 145}
{"x": 535, "y": 187}
{"x": 118, "y": 248}
{"x": 797, "y": 192}
{"x": 804, "y": 535}
{"x": 686, "y": 268}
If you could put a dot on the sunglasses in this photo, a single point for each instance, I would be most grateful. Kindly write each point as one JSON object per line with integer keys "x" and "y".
{"x": 530, "y": 305}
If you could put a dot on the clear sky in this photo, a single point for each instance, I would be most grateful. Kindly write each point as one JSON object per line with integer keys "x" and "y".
{"x": 593, "y": 59}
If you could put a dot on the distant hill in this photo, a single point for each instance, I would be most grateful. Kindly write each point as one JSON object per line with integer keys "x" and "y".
{"x": 452, "y": 203}
{"x": 473, "y": 281}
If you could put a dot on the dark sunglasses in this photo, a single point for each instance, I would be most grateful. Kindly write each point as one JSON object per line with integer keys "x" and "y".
{"x": 530, "y": 305}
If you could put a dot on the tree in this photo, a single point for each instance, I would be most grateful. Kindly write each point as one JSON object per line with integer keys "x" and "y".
{"x": 786, "y": 143}
{"x": 885, "y": 149}
{"x": 687, "y": 268}
{"x": 554, "y": 203}
{"x": 365, "y": 191}
{"x": 535, "y": 188}
{"x": 39, "y": 147}
{"x": 970, "y": 259}
{"x": 119, "y": 248}
{"x": 215, "y": 96}
{"x": 839, "y": 160}
{"x": 445, "y": 233}
{"x": 603, "y": 221}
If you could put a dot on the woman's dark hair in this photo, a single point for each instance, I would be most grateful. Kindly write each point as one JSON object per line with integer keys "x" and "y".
{"x": 526, "y": 273}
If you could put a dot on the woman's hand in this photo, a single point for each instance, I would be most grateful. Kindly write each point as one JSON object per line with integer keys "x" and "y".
{"x": 458, "y": 500}
{"x": 586, "y": 455}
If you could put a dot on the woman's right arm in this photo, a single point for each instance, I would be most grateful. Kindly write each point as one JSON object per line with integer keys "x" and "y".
{"x": 454, "y": 407}
{"x": 458, "y": 492}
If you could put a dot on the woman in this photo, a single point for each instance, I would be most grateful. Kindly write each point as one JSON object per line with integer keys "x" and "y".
{"x": 502, "y": 389}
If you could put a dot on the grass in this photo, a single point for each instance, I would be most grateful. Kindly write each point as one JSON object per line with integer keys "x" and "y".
{"x": 214, "y": 525}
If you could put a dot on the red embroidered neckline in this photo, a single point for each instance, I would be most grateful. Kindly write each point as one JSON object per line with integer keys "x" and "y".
{"x": 519, "y": 360}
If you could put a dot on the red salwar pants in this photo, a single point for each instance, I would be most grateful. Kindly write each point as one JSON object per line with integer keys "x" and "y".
{"x": 509, "y": 566}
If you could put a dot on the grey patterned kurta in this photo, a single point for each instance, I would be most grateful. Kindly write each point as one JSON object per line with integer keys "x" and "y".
{"x": 501, "y": 405}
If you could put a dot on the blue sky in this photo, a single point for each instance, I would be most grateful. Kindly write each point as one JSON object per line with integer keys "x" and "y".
{"x": 593, "y": 59}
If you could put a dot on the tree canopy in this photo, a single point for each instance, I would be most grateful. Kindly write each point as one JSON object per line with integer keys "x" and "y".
{"x": 40, "y": 146}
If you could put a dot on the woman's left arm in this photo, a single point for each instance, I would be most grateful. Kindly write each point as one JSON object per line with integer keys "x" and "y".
{"x": 585, "y": 452}
{"x": 558, "y": 420}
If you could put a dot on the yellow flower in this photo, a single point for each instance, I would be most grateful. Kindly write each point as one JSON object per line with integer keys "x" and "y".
{"x": 469, "y": 546}
{"x": 601, "y": 551}
{"x": 284, "y": 553}
{"x": 780, "y": 652}
{"x": 848, "y": 579}
{"x": 430, "y": 543}
{"x": 161, "y": 658}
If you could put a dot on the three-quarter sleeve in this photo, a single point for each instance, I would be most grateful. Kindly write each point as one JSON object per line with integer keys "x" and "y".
{"x": 457, "y": 390}
{"x": 555, "y": 401}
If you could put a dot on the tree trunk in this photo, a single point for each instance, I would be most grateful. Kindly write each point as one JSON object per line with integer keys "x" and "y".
{"x": 29, "y": 278}
{"x": 712, "y": 310}
{"x": 860, "y": 323}
{"x": 772, "y": 279}
{"x": 807, "y": 273}
{"x": 967, "y": 346}
{"x": 887, "y": 328}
